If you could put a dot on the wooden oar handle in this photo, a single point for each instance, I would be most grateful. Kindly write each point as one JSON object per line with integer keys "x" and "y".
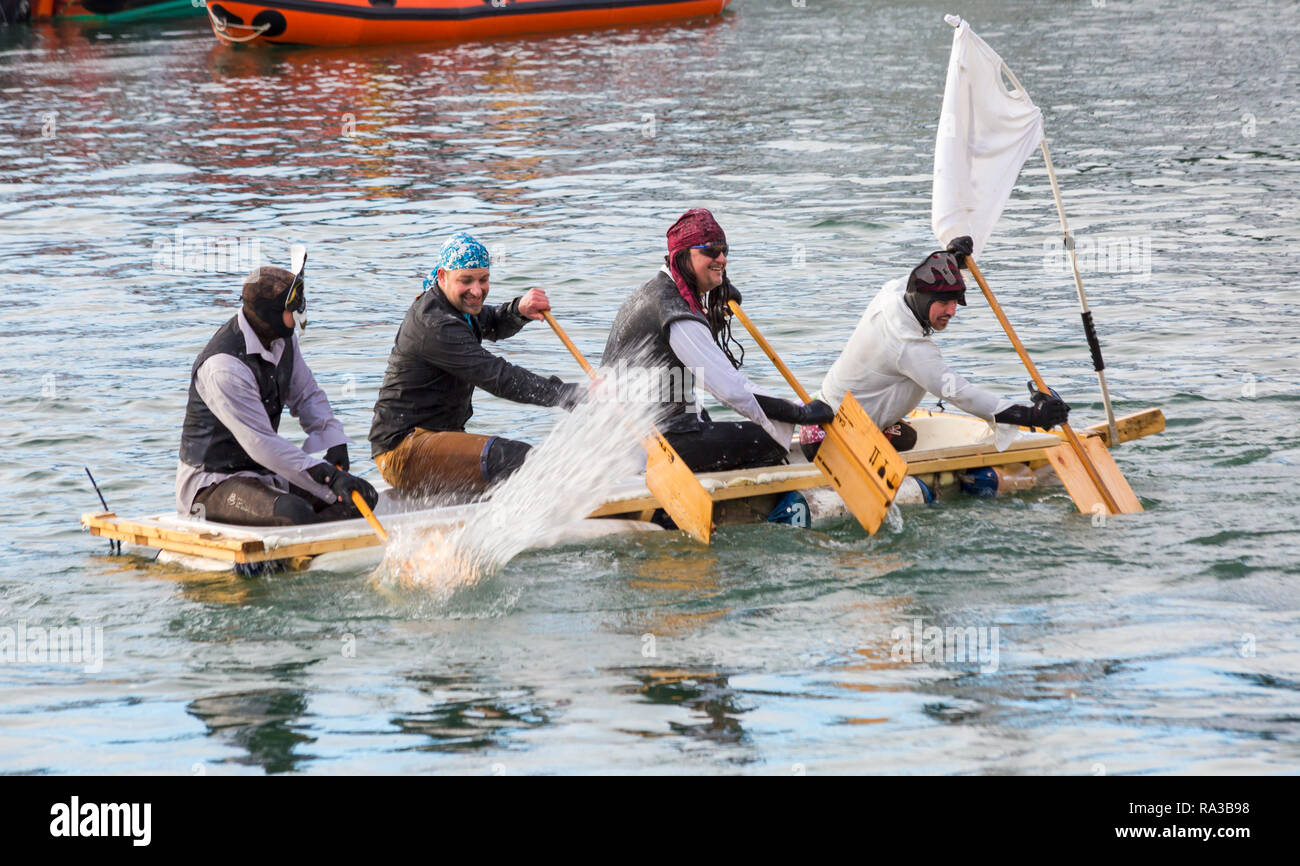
{"x": 1070, "y": 436}
{"x": 769, "y": 351}
{"x": 1039, "y": 383}
{"x": 359, "y": 501}
{"x": 564, "y": 338}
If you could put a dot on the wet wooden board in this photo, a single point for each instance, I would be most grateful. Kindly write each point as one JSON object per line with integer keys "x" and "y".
{"x": 215, "y": 544}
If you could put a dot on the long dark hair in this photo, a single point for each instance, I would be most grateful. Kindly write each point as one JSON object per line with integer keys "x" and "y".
{"x": 715, "y": 309}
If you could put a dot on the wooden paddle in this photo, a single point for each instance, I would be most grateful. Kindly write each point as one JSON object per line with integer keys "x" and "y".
{"x": 667, "y": 476}
{"x": 861, "y": 464}
{"x": 360, "y": 502}
{"x": 1088, "y": 472}
{"x": 369, "y": 515}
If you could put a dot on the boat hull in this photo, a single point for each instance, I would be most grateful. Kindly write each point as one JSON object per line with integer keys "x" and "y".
{"x": 359, "y": 22}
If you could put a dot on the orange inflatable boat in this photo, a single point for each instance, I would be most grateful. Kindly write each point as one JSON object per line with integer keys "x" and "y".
{"x": 372, "y": 22}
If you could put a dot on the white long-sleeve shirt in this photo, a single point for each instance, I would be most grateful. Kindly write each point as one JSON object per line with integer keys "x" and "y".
{"x": 230, "y": 391}
{"x": 889, "y": 364}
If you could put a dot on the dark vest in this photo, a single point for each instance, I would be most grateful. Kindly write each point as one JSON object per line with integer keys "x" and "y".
{"x": 639, "y": 337}
{"x": 208, "y": 443}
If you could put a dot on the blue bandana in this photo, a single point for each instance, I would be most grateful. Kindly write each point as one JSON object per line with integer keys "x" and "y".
{"x": 462, "y": 251}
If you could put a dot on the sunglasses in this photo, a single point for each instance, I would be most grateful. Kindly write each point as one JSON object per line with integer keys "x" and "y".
{"x": 712, "y": 251}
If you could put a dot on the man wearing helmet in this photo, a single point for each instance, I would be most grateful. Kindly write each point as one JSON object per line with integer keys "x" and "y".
{"x": 892, "y": 360}
{"x": 234, "y": 466}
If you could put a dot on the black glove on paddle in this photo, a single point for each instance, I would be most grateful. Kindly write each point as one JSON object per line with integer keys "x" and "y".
{"x": 343, "y": 483}
{"x": 338, "y": 456}
{"x": 961, "y": 247}
{"x": 817, "y": 413}
{"x": 777, "y": 409}
{"x": 571, "y": 393}
{"x": 1047, "y": 411}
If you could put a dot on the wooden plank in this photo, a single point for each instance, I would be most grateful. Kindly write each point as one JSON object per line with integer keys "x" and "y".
{"x": 215, "y": 540}
{"x": 314, "y": 548}
{"x": 1148, "y": 422}
{"x": 972, "y": 461}
{"x": 213, "y": 545}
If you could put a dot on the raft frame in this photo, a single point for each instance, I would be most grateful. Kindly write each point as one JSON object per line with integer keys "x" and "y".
{"x": 297, "y": 546}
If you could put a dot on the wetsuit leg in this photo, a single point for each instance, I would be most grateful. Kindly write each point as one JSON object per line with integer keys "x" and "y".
{"x": 503, "y": 457}
{"x": 246, "y": 501}
{"x": 720, "y": 445}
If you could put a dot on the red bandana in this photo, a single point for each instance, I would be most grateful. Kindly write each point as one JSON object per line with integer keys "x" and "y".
{"x": 694, "y": 228}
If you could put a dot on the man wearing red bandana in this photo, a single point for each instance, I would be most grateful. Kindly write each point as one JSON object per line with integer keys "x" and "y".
{"x": 678, "y": 324}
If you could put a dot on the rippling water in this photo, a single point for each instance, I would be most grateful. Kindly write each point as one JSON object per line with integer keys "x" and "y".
{"x": 1164, "y": 642}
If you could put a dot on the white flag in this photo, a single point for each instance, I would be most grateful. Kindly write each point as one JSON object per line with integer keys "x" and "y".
{"x": 986, "y": 132}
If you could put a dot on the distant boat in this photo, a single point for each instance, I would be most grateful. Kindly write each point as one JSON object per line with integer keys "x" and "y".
{"x": 376, "y": 22}
{"x": 114, "y": 10}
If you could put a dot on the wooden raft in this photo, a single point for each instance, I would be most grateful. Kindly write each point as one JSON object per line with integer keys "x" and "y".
{"x": 249, "y": 545}
{"x": 744, "y": 483}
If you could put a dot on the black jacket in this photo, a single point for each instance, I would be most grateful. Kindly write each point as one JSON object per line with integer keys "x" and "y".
{"x": 436, "y": 362}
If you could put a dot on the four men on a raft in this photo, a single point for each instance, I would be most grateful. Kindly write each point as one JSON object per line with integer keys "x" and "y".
{"x": 235, "y": 468}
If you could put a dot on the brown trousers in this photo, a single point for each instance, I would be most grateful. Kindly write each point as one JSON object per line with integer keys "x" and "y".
{"x": 432, "y": 463}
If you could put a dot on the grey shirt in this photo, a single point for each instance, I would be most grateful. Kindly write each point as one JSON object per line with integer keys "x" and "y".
{"x": 228, "y": 388}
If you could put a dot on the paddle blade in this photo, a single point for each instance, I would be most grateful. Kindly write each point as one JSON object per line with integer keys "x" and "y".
{"x": 678, "y": 490}
{"x": 852, "y": 483}
{"x": 297, "y": 258}
{"x": 1070, "y": 469}
{"x": 862, "y": 466}
{"x": 878, "y": 457}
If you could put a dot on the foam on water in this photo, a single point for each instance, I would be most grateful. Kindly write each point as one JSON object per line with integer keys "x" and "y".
{"x": 564, "y": 479}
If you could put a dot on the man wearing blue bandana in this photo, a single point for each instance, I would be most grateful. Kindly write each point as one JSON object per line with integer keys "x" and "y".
{"x": 418, "y": 436}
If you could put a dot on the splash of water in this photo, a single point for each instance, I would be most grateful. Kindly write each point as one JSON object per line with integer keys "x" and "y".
{"x": 573, "y": 471}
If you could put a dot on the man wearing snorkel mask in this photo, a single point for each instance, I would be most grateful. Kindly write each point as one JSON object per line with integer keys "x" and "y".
{"x": 234, "y": 466}
{"x": 892, "y": 360}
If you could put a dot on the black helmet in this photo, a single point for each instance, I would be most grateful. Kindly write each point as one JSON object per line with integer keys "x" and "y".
{"x": 940, "y": 276}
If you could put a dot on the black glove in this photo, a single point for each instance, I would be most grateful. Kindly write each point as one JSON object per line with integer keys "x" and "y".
{"x": 961, "y": 247}
{"x": 777, "y": 409}
{"x": 343, "y": 483}
{"x": 338, "y": 456}
{"x": 1047, "y": 411}
{"x": 817, "y": 413}
{"x": 571, "y": 393}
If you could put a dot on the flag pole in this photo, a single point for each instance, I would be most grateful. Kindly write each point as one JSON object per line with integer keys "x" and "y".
{"x": 1094, "y": 346}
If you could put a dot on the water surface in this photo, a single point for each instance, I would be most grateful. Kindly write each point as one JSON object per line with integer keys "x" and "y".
{"x": 1159, "y": 643}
